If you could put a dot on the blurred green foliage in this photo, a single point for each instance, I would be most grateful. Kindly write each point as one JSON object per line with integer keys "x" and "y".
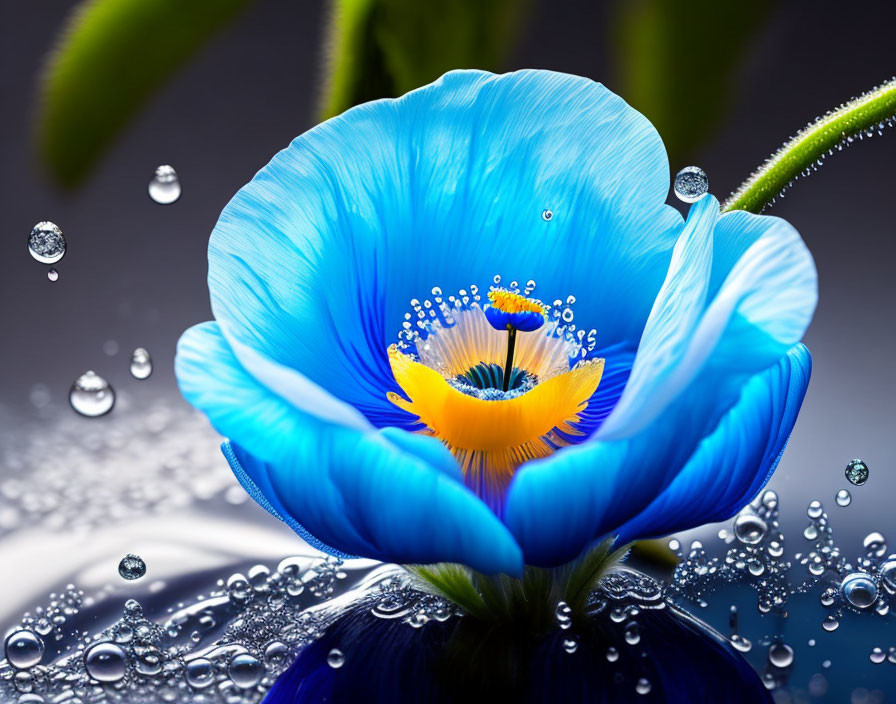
{"x": 113, "y": 55}
{"x": 678, "y": 60}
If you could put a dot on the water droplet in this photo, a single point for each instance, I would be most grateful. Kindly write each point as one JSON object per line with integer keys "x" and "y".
{"x": 570, "y": 645}
{"x": 563, "y": 615}
{"x": 740, "y": 643}
{"x": 164, "y": 187}
{"x": 815, "y": 509}
{"x": 875, "y": 544}
{"x": 53, "y": 275}
{"x": 749, "y": 528}
{"x": 857, "y": 472}
{"x": 843, "y": 498}
{"x": 105, "y": 662}
{"x": 245, "y": 670}
{"x": 643, "y": 686}
{"x": 131, "y": 567}
{"x": 811, "y": 642}
{"x": 335, "y": 658}
{"x": 547, "y": 215}
{"x": 888, "y": 575}
{"x": 877, "y": 656}
{"x": 200, "y": 673}
{"x": 811, "y": 532}
{"x": 46, "y": 243}
{"x": 612, "y": 654}
{"x": 141, "y": 363}
{"x": 91, "y": 395}
{"x": 830, "y": 623}
{"x": 859, "y": 589}
{"x": 780, "y": 655}
{"x": 632, "y": 634}
{"x": 24, "y": 649}
{"x": 691, "y": 184}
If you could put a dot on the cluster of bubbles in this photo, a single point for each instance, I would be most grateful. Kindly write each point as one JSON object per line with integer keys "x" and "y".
{"x": 428, "y": 316}
{"x": 756, "y": 558}
{"x": 228, "y": 646}
{"x": 815, "y": 127}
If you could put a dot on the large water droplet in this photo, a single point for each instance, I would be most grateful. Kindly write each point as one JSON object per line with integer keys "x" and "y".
{"x": 857, "y": 472}
{"x": 780, "y": 655}
{"x": 131, "y": 566}
{"x": 91, "y": 395}
{"x": 105, "y": 662}
{"x": 24, "y": 649}
{"x": 691, "y": 184}
{"x": 749, "y": 528}
{"x": 200, "y": 673}
{"x": 164, "y": 188}
{"x": 335, "y": 658}
{"x": 843, "y": 498}
{"x": 245, "y": 670}
{"x": 46, "y": 243}
{"x": 859, "y": 589}
{"x": 141, "y": 363}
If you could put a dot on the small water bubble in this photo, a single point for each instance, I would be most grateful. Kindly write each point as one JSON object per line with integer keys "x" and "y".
{"x": 46, "y": 243}
{"x": 563, "y": 615}
{"x": 888, "y": 575}
{"x": 859, "y": 589}
{"x": 740, "y": 643}
{"x": 877, "y": 656}
{"x": 830, "y": 623}
{"x": 53, "y": 275}
{"x": 857, "y": 472}
{"x": 105, "y": 662}
{"x": 843, "y": 498}
{"x": 691, "y": 184}
{"x": 612, "y": 654}
{"x": 245, "y": 670}
{"x": 749, "y": 528}
{"x": 632, "y": 634}
{"x": 24, "y": 649}
{"x": 643, "y": 686}
{"x": 815, "y": 509}
{"x": 826, "y": 664}
{"x": 811, "y": 643}
{"x": 810, "y": 533}
{"x": 141, "y": 363}
{"x": 875, "y": 545}
{"x": 570, "y": 645}
{"x": 335, "y": 658}
{"x": 164, "y": 187}
{"x": 131, "y": 567}
{"x": 547, "y": 215}
{"x": 91, "y": 395}
{"x": 780, "y": 655}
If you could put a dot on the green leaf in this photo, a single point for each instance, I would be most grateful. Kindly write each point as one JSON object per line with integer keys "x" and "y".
{"x": 384, "y": 48}
{"x": 678, "y": 63}
{"x": 113, "y": 55}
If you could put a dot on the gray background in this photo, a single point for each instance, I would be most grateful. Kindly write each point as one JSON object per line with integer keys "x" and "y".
{"x": 135, "y": 271}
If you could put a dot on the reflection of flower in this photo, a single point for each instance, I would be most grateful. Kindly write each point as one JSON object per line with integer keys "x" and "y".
{"x": 698, "y": 371}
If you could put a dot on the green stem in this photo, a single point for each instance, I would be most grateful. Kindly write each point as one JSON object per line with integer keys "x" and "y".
{"x": 508, "y": 365}
{"x": 801, "y": 155}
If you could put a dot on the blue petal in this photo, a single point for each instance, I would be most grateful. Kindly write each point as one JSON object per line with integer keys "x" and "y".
{"x": 733, "y": 463}
{"x": 353, "y": 490}
{"x": 314, "y": 262}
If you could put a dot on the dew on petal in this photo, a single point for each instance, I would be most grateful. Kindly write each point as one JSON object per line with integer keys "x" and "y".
{"x": 691, "y": 184}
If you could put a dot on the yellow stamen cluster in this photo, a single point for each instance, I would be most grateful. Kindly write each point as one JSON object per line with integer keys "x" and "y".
{"x": 510, "y": 302}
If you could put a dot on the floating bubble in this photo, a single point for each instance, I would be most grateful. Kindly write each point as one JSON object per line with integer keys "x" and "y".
{"x": 843, "y": 498}
{"x": 643, "y": 686}
{"x": 749, "y": 528}
{"x": 46, "y": 243}
{"x": 53, "y": 275}
{"x": 164, "y": 187}
{"x": 740, "y": 643}
{"x": 141, "y": 363}
{"x": 780, "y": 655}
{"x": 887, "y": 572}
{"x": 815, "y": 509}
{"x": 830, "y": 623}
{"x": 335, "y": 658}
{"x": 875, "y": 545}
{"x": 570, "y": 646}
{"x": 245, "y": 670}
{"x": 691, "y": 184}
{"x": 877, "y": 656}
{"x": 859, "y": 589}
{"x": 857, "y": 472}
{"x": 105, "y": 662}
{"x": 131, "y": 567}
{"x": 200, "y": 673}
{"x": 91, "y": 395}
{"x": 547, "y": 215}
{"x": 612, "y": 654}
{"x": 24, "y": 649}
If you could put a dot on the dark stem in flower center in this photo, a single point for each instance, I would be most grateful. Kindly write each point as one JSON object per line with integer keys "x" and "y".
{"x": 508, "y": 365}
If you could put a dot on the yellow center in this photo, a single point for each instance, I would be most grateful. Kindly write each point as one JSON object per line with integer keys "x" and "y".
{"x": 510, "y": 302}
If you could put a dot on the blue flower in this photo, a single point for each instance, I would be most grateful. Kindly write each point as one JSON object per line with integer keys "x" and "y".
{"x": 370, "y": 403}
